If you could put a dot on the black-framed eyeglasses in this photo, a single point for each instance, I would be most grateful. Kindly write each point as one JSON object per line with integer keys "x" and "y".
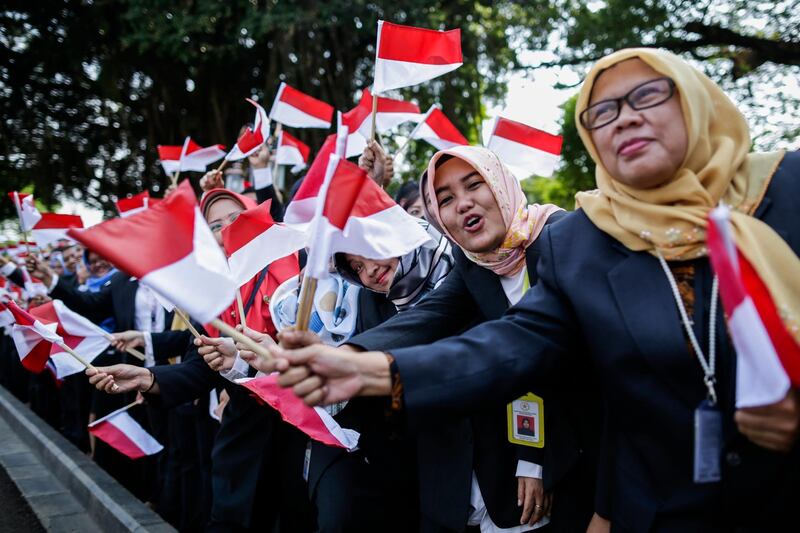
{"x": 648, "y": 94}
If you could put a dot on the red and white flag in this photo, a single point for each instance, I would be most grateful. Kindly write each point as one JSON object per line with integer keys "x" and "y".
{"x": 53, "y": 227}
{"x": 28, "y": 215}
{"x": 254, "y": 240}
{"x": 767, "y": 356}
{"x": 313, "y": 421}
{"x": 6, "y": 318}
{"x": 252, "y": 139}
{"x": 390, "y": 114}
{"x": 33, "y": 339}
{"x": 304, "y": 204}
{"x": 299, "y": 110}
{"x": 120, "y": 431}
{"x": 437, "y": 129}
{"x": 33, "y": 286}
{"x": 524, "y": 149}
{"x": 406, "y": 55}
{"x": 171, "y": 249}
{"x": 134, "y": 204}
{"x": 358, "y": 217}
{"x": 292, "y": 151}
{"x": 77, "y": 332}
{"x": 190, "y": 156}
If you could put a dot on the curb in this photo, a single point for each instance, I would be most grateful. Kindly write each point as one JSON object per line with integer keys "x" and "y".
{"x": 107, "y": 502}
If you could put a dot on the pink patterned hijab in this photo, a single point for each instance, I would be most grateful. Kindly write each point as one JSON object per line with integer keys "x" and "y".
{"x": 523, "y": 222}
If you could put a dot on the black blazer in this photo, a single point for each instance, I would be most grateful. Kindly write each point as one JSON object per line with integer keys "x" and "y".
{"x": 599, "y": 304}
{"x": 243, "y": 444}
{"x": 117, "y": 299}
{"x": 448, "y": 455}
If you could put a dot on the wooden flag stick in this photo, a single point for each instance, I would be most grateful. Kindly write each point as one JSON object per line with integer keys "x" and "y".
{"x": 240, "y": 306}
{"x": 77, "y": 357}
{"x": 241, "y": 337}
{"x": 274, "y": 156}
{"x": 133, "y": 351}
{"x": 374, "y": 116}
{"x": 306, "y": 304}
{"x": 413, "y": 132}
{"x": 175, "y": 176}
{"x": 222, "y": 165}
{"x": 188, "y": 323}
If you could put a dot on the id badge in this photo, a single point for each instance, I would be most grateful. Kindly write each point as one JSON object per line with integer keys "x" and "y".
{"x": 526, "y": 421}
{"x": 707, "y": 443}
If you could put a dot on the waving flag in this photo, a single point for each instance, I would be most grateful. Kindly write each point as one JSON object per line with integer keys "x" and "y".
{"x": 26, "y": 210}
{"x": 33, "y": 339}
{"x": 299, "y": 110}
{"x": 292, "y": 151}
{"x": 254, "y": 240}
{"x": 190, "y": 156}
{"x": 767, "y": 356}
{"x": 303, "y": 206}
{"x": 33, "y": 286}
{"x": 439, "y": 131}
{"x": 252, "y": 139}
{"x": 407, "y": 56}
{"x": 358, "y": 217}
{"x": 526, "y": 150}
{"x": 120, "y": 431}
{"x": 134, "y": 204}
{"x": 391, "y": 113}
{"x": 53, "y": 227}
{"x": 75, "y": 331}
{"x": 313, "y": 421}
{"x": 171, "y": 249}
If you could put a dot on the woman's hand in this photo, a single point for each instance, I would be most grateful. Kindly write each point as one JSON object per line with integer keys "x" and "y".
{"x": 212, "y": 180}
{"x": 260, "y": 363}
{"x": 598, "y": 525}
{"x": 127, "y": 339}
{"x": 292, "y": 339}
{"x": 219, "y": 353}
{"x": 531, "y": 497}
{"x": 376, "y": 163}
{"x": 38, "y": 268}
{"x": 119, "y": 379}
{"x": 224, "y": 398}
{"x": 775, "y": 426}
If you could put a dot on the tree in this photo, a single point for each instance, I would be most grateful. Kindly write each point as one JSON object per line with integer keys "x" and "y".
{"x": 90, "y": 88}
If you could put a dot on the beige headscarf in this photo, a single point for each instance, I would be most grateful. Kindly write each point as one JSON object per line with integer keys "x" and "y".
{"x": 523, "y": 222}
{"x": 671, "y": 218}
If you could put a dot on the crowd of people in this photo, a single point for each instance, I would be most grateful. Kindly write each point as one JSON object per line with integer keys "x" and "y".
{"x": 527, "y": 368}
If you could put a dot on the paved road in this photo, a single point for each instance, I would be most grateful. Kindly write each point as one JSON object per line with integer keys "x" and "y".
{"x": 15, "y": 514}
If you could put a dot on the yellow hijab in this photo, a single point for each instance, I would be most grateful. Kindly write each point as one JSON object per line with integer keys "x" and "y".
{"x": 671, "y": 218}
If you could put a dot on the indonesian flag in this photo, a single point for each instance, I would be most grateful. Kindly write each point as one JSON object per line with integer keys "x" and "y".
{"x": 134, "y": 204}
{"x": 77, "y": 332}
{"x": 254, "y": 240}
{"x": 407, "y": 56}
{"x": 437, "y": 129}
{"x": 299, "y": 110}
{"x": 120, "y": 431}
{"x": 171, "y": 249}
{"x": 190, "y": 156}
{"x": 391, "y": 113}
{"x": 525, "y": 150}
{"x": 313, "y": 421}
{"x": 292, "y": 151}
{"x": 33, "y": 286}
{"x": 33, "y": 339}
{"x": 304, "y": 204}
{"x": 252, "y": 139}
{"x": 26, "y": 210}
{"x": 53, "y": 227}
{"x": 6, "y": 318}
{"x": 356, "y": 216}
{"x": 767, "y": 356}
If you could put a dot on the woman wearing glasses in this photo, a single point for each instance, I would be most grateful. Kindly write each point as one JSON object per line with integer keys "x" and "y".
{"x": 626, "y": 287}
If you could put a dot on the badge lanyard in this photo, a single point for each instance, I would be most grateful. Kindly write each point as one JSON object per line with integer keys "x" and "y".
{"x": 707, "y": 416}
{"x": 708, "y": 365}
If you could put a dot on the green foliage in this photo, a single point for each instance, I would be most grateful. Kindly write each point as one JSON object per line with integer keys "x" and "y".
{"x": 90, "y": 88}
